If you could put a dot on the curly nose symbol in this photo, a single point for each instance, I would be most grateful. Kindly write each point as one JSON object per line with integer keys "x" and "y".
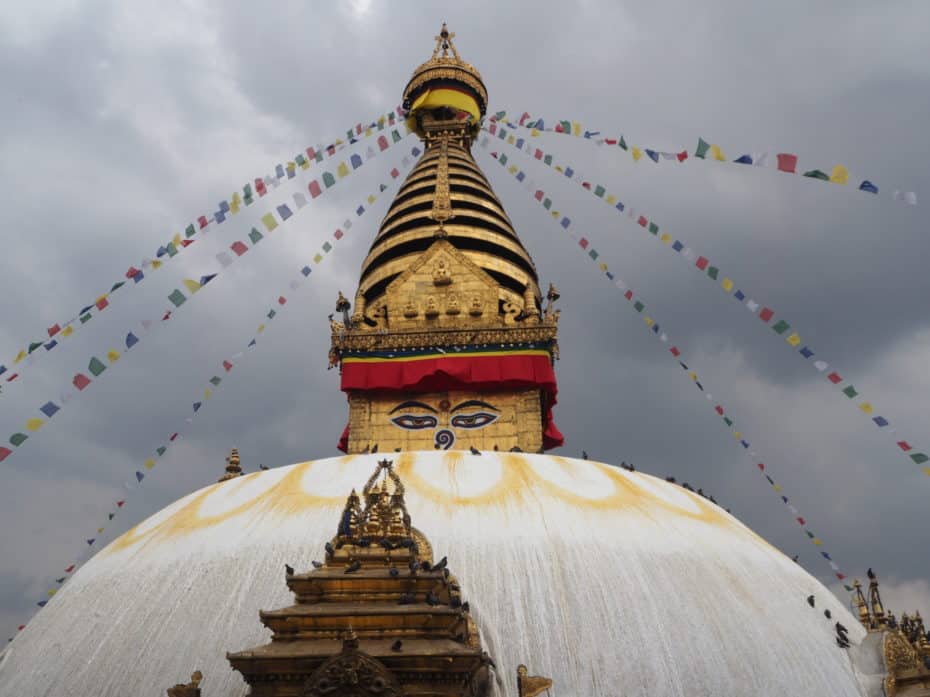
{"x": 444, "y": 439}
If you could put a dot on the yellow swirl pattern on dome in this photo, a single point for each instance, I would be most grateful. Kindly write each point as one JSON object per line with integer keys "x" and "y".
{"x": 443, "y": 480}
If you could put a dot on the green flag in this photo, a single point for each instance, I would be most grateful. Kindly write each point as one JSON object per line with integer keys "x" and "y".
{"x": 395, "y": 136}
{"x": 255, "y": 236}
{"x": 216, "y": 380}
{"x": 177, "y": 298}
{"x": 117, "y": 285}
{"x": 780, "y": 327}
{"x": 18, "y": 439}
{"x": 638, "y": 306}
{"x": 599, "y": 191}
{"x": 503, "y": 159}
{"x": 702, "y": 148}
{"x": 817, "y": 174}
{"x": 95, "y": 366}
{"x": 623, "y": 144}
{"x": 328, "y": 179}
{"x": 161, "y": 450}
{"x": 566, "y": 126}
{"x": 919, "y": 458}
{"x": 34, "y": 345}
{"x": 189, "y": 231}
{"x": 712, "y": 271}
{"x": 548, "y": 160}
{"x": 850, "y": 392}
{"x": 85, "y": 318}
{"x": 271, "y": 314}
{"x": 327, "y": 246}
{"x": 547, "y": 204}
{"x": 653, "y": 228}
{"x": 593, "y": 254}
{"x": 728, "y": 420}
{"x": 172, "y": 250}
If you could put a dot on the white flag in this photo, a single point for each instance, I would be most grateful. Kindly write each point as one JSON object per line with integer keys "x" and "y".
{"x": 752, "y": 305}
{"x": 908, "y": 197}
{"x": 224, "y": 259}
{"x": 821, "y": 365}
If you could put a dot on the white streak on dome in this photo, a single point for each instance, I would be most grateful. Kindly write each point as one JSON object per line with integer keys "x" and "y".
{"x": 459, "y": 475}
{"x": 671, "y": 494}
{"x": 580, "y": 478}
{"x": 233, "y": 493}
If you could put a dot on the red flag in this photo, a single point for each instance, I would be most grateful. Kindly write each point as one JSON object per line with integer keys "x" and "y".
{"x": 719, "y": 409}
{"x": 904, "y": 445}
{"x": 524, "y": 117}
{"x": 493, "y": 128}
{"x": 787, "y": 162}
{"x": 12, "y": 377}
{"x": 173, "y": 437}
{"x": 315, "y": 189}
{"x": 21, "y": 627}
{"x": 330, "y": 150}
{"x": 281, "y": 300}
{"x": 202, "y": 220}
{"x": 227, "y": 365}
{"x": 583, "y": 243}
{"x": 5, "y": 453}
{"x": 165, "y": 317}
{"x": 610, "y": 141}
{"x": 765, "y": 314}
{"x": 102, "y": 303}
{"x": 586, "y": 185}
{"x": 628, "y": 295}
{"x": 383, "y": 143}
{"x": 802, "y": 521}
{"x": 338, "y": 234}
{"x": 80, "y": 381}
{"x": 69, "y": 569}
{"x": 682, "y": 156}
{"x": 53, "y": 330}
{"x": 260, "y": 187}
{"x": 642, "y": 221}
{"x": 761, "y": 467}
{"x": 840, "y": 576}
{"x": 119, "y": 504}
{"x": 701, "y": 263}
{"x": 494, "y": 155}
{"x": 239, "y": 247}
{"x": 538, "y": 154}
{"x": 187, "y": 243}
{"x": 358, "y": 129}
{"x": 835, "y": 378}
{"x": 132, "y": 272}
{"x": 675, "y": 352}
{"x": 539, "y": 195}
{"x": 311, "y": 153}
{"x": 394, "y": 173}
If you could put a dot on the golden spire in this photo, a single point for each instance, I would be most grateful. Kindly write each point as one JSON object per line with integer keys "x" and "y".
{"x": 233, "y": 469}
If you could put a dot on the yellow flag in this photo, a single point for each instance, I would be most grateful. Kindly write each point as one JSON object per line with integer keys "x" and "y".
{"x": 602, "y": 266}
{"x": 839, "y": 175}
{"x": 693, "y": 376}
{"x": 648, "y": 320}
{"x": 726, "y": 284}
{"x": 637, "y": 153}
{"x": 737, "y": 435}
{"x": 149, "y": 464}
{"x": 234, "y": 207}
{"x": 666, "y": 238}
{"x": 866, "y": 407}
{"x": 305, "y": 164}
{"x": 777, "y": 487}
{"x": 371, "y": 199}
{"x": 51, "y": 592}
{"x": 367, "y": 131}
{"x": 794, "y": 339}
{"x": 513, "y": 169}
{"x": 113, "y": 355}
{"x": 534, "y": 133}
{"x": 611, "y": 199}
{"x": 102, "y": 297}
{"x": 317, "y": 258}
{"x": 207, "y": 393}
{"x": 718, "y": 153}
{"x": 20, "y": 356}
{"x": 236, "y": 198}
{"x": 817, "y": 541}
{"x": 555, "y": 214}
{"x": 342, "y": 170}
{"x": 176, "y": 240}
{"x": 99, "y": 530}
{"x": 576, "y": 128}
{"x": 34, "y": 424}
{"x": 511, "y": 140}
{"x": 192, "y": 285}
{"x": 926, "y": 471}
{"x": 339, "y": 141}
{"x": 269, "y": 222}
{"x": 67, "y": 331}
{"x": 558, "y": 168}
{"x": 261, "y": 328}
{"x": 156, "y": 264}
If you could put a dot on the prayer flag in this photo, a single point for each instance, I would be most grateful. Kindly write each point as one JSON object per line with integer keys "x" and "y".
{"x": 17, "y": 439}
{"x": 880, "y": 421}
{"x": 149, "y": 464}
{"x": 653, "y": 228}
{"x": 835, "y": 378}
{"x": 49, "y": 409}
{"x": 780, "y": 327}
{"x": 227, "y": 366}
{"x": 920, "y": 458}
{"x": 744, "y": 160}
{"x": 139, "y": 476}
{"x": 868, "y": 186}
{"x": 702, "y": 263}
{"x": 283, "y": 211}
{"x": 204, "y": 280}
{"x": 281, "y": 300}
{"x": 177, "y": 298}
{"x": 866, "y": 408}
{"x": 383, "y": 142}
{"x": 197, "y": 406}
{"x": 793, "y": 339}
{"x": 314, "y": 188}
{"x": 112, "y": 355}
{"x": 255, "y": 236}
{"x": 328, "y": 179}
{"x": 702, "y": 148}
{"x": 908, "y": 197}
{"x": 80, "y": 381}
{"x": 642, "y": 221}
{"x": 839, "y": 175}
{"x": 269, "y": 222}
{"x": 96, "y": 366}
{"x": 53, "y": 330}
{"x": 637, "y": 153}
{"x": 787, "y": 162}
{"x": 202, "y": 221}
{"x": 718, "y": 153}
{"x": 850, "y": 391}
{"x": 101, "y": 302}
{"x": 806, "y": 352}
{"x": 817, "y": 174}
{"x": 766, "y": 314}
{"x": 652, "y": 154}
{"x": 5, "y": 453}
{"x": 306, "y": 271}
{"x": 34, "y": 424}
{"x": 682, "y": 156}
{"x": 161, "y": 450}
{"x": 191, "y": 285}
{"x": 239, "y": 248}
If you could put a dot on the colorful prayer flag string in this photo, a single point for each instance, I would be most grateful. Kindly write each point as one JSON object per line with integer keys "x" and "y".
{"x": 227, "y": 366}
{"x": 653, "y": 325}
{"x": 784, "y": 162}
{"x": 180, "y": 241}
{"x": 780, "y": 327}
{"x": 96, "y": 367}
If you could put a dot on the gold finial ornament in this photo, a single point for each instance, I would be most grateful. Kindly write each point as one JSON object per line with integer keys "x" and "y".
{"x": 233, "y": 469}
{"x": 191, "y": 689}
{"x": 531, "y": 685}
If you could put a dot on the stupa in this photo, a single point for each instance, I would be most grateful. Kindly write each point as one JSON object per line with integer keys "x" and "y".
{"x": 571, "y": 576}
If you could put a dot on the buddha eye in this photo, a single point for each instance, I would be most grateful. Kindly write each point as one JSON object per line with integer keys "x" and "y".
{"x": 412, "y": 422}
{"x": 477, "y": 420}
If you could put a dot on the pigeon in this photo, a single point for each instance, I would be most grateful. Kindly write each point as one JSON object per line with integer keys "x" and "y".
{"x": 425, "y": 565}
{"x": 366, "y": 450}
{"x": 474, "y": 450}
{"x": 394, "y": 573}
{"x": 870, "y": 574}
{"x": 406, "y": 599}
{"x": 432, "y": 599}
{"x": 496, "y": 448}
{"x": 712, "y": 500}
{"x": 810, "y": 600}
{"x": 317, "y": 564}
{"x": 795, "y": 558}
{"x": 263, "y": 467}
{"x": 701, "y": 492}
{"x": 584, "y": 454}
{"x": 516, "y": 449}
{"x": 827, "y": 614}
{"x": 288, "y": 569}
{"x": 61, "y": 580}
{"x": 465, "y": 606}
{"x": 364, "y": 542}
{"x": 840, "y": 628}
{"x": 353, "y": 567}
{"x": 441, "y": 564}
{"x": 396, "y": 645}
{"x": 374, "y": 448}
{"x": 670, "y": 479}
{"x": 329, "y": 549}
{"x": 687, "y": 486}
{"x": 396, "y": 450}
{"x": 387, "y": 544}
{"x": 841, "y": 643}
{"x": 413, "y": 565}
{"x": 455, "y": 601}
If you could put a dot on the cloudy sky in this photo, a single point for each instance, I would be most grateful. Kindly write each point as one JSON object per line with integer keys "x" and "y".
{"x": 125, "y": 121}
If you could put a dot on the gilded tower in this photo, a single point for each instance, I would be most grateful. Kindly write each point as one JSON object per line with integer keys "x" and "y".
{"x": 450, "y": 343}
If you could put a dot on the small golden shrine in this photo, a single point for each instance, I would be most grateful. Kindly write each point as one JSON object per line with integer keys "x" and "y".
{"x": 233, "y": 469}
{"x": 450, "y": 343}
{"x": 905, "y": 644}
{"x": 377, "y": 617}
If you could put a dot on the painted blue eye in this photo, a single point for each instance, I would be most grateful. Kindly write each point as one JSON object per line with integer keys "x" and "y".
{"x": 477, "y": 420}
{"x": 412, "y": 422}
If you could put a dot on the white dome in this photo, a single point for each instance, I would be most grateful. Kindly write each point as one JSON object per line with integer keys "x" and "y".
{"x": 609, "y": 582}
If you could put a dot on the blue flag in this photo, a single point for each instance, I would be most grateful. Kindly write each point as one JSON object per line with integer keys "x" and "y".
{"x": 279, "y": 171}
{"x": 51, "y": 344}
{"x": 204, "y": 280}
{"x": 284, "y": 211}
{"x": 805, "y": 351}
{"x": 139, "y": 476}
{"x": 880, "y": 421}
{"x": 305, "y": 271}
{"x": 197, "y": 406}
{"x": 49, "y": 409}
{"x": 131, "y": 340}
{"x": 356, "y": 161}
{"x": 866, "y": 185}
{"x": 653, "y": 155}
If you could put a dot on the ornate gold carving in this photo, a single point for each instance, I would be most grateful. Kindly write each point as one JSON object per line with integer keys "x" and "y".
{"x": 476, "y": 307}
{"x": 410, "y": 309}
{"x": 530, "y": 685}
{"x": 431, "y": 309}
{"x": 417, "y": 337}
{"x": 191, "y": 689}
{"x": 442, "y": 203}
{"x": 441, "y": 275}
{"x": 233, "y": 469}
{"x": 452, "y": 305}
{"x": 352, "y": 673}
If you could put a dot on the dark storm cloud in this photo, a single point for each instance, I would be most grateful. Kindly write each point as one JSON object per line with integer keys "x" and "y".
{"x": 124, "y": 121}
